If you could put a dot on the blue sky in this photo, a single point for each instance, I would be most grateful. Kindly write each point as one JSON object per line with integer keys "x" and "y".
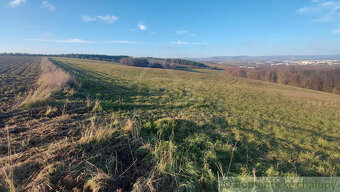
{"x": 176, "y": 28}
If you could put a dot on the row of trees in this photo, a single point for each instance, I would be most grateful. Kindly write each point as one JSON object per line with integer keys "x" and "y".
{"x": 139, "y": 62}
{"x": 171, "y": 63}
{"x": 163, "y": 63}
{"x": 322, "y": 78}
{"x": 94, "y": 57}
{"x": 109, "y": 58}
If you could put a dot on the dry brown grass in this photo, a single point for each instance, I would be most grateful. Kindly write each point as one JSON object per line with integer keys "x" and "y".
{"x": 7, "y": 182}
{"x": 6, "y": 172}
{"x": 51, "y": 80}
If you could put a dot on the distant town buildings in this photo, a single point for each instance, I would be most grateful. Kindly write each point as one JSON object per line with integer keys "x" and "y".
{"x": 256, "y": 63}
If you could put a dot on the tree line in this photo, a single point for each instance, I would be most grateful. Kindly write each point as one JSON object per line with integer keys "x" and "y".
{"x": 322, "y": 78}
{"x": 153, "y": 62}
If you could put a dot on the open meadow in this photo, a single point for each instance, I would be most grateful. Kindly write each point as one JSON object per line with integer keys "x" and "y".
{"x": 91, "y": 125}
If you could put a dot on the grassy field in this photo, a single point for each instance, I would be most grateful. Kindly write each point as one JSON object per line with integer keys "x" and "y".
{"x": 117, "y": 127}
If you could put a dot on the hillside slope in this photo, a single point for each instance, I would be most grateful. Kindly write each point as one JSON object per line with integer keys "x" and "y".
{"x": 321, "y": 78}
{"x": 152, "y": 62}
{"x": 130, "y": 128}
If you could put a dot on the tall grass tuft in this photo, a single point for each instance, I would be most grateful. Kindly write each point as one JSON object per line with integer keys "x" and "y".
{"x": 51, "y": 80}
{"x": 6, "y": 172}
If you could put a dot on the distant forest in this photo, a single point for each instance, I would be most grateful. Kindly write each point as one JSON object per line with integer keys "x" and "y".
{"x": 322, "y": 78}
{"x": 169, "y": 63}
{"x": 144, "y": 61}
{"x": 108, "y": 58}
{"x": 79, "y": 56}
{"x": 163, "y": 63}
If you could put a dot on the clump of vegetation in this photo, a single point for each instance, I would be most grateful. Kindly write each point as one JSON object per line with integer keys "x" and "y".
{"x": 50, "y": 110}
{"x": 97, "y": 107}
{"x": 185, "y": 155}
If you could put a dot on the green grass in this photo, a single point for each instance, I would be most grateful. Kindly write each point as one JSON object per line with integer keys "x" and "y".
{"x": 185, "y": 128}
{"x": 195, "y": 124}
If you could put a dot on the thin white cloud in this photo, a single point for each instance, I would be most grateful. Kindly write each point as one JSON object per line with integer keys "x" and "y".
{"x": 48, "y": 5}
{"x": 179, "y": 42}
{"x": 87, "y": 18}
{"x": 324, "y": 11}
{"x": 106, "y": 18}
{"x": 184, "y": 32}
{"x": 141, "y": 26}
{"x": 336, "y": 31}
{"x": 124, "y": 42}
{"x": 15, "y": 3}
{"x": 75, "y": 40}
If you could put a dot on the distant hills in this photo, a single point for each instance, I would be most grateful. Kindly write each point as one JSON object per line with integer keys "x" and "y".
{"x": 183, "y": 63}
{"x": 219, "y": 59}
{"x": 152, "y": 62}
